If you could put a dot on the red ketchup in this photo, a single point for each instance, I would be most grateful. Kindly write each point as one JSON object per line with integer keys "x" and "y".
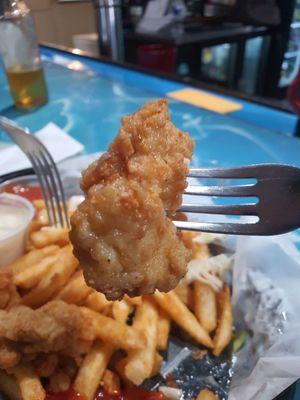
{"x": 134, "y": 393}
{"x": 29, "y": 192}
{"x": 69, "y": 395}
{"x": 101, "y": 395}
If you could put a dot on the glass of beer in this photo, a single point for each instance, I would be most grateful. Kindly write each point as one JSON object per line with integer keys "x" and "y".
{"x": 20, "y": 55}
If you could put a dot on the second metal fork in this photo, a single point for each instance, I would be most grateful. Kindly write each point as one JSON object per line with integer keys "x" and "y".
{"x": 45, "y": 169}
{"x": 277, "y": 188}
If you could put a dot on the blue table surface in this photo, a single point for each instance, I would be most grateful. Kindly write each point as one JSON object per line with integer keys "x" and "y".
{"x": 87, "y": 98}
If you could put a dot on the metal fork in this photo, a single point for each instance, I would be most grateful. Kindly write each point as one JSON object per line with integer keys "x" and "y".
{"x": 277, "y": 188}
{"x": 45, "y": 169}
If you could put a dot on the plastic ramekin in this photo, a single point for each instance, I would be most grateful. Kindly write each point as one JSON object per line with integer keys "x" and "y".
{"x": 12, "y": 244}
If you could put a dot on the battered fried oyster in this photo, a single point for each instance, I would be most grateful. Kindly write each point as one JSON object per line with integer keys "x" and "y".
{"x": 122, "y": 234}
{"x": 56, "y": 326}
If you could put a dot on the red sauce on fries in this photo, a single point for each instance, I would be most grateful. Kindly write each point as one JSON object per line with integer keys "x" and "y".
{"x": 128, "y": 394}
{"x": 69, "y": 395}
{"x": 29, "y": 192}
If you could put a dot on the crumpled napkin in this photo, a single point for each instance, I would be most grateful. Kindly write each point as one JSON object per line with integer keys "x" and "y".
{"x": 59, "y": 143}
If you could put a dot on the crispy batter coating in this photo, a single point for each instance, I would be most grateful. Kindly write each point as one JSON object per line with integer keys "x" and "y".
{"x": 122, "y": 233}
{"x": 8, "y": 291}
{"x": 9, "y": 355}
{"x": 56, "y": 326}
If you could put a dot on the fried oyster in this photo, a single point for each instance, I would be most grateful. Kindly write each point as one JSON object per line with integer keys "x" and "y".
{"x": 122, "y": 233}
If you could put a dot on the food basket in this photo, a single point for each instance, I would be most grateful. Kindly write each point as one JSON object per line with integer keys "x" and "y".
{"x": 191, "y": 372}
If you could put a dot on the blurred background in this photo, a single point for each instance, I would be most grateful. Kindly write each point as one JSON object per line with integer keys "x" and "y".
{"x": 251, "y": 47}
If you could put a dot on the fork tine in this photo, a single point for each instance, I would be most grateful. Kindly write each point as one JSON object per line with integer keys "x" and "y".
{"x": 226, "y": 191}
{"x": 229, "y": 228}
{"x": 62, "y": 194}
{"x": 225, "y": 173}
{"x": 38, "y": 173}
{"x": 58, "y": 188}
{"x": 53, "y": 188}
{"x": 54, "y": 183}
{"x": 47, "y": 185}
{"x": 241, "y": 209}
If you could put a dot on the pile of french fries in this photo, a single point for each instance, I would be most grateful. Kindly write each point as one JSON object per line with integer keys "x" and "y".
{"x": 48, "y": 271}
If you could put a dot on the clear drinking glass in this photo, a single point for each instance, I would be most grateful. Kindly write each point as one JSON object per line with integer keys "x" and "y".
{"x": 20, "y": 55}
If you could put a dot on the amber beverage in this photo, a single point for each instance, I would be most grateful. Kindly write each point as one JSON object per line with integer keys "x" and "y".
{"x": 20, "y": 55}
{"x": 27, "y": 86}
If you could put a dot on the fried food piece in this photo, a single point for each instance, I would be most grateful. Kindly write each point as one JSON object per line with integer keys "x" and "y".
{"x": 59, "y": 327}
{"x": 46, "y": 364}
{"x": 54, "y": 327}
{"x": 9, "y": 355}
{"x": 121, "y": 233}
{"x": 9, "y": 386}
{"x": 8, "y": 291}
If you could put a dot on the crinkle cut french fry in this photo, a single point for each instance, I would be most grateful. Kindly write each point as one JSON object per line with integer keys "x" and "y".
{"x": 42, "y": 217}
{"x": 97, "y": 301}
{"x": 111, "y": 382}
{"x": 39, "y": 204}
{"x": 135, "y": 301}
{"x": 29, "y": 246}
{"x": 121, "y": 310}
{"x": 29, "y": 277}
{"x": 205, "y": 305}
{"x": 107, "y": 311}
{"x": 92, "y": 368}
{"x": 39, "y": 221}
{"x": 224, "y": 329}
{"x": 34, "y": 225}
{"x": 9, "y": 387}
{"x": 206, "y": 394}
{"x": 75, "y": 291}
{"x": 51, "y": 235}
{"x": 95, "y": 362}
{"x": 33, "y": 257}
{"x": 163, "y": 330}
{"x": 29, "y": 382}
{"x": 140, "y": 363}
{"x": 120, "y": 368}
{"x": 55, "y": 278}
{"x": 111, "y": 331}
{"x": 201, "y": 251}
{"x": 158, "y": 359}
{"x": 187, "y": 238}
{"x": 59, "y": 381}
{"x": 185, "y": 294}
{"x": 183, "y": 317}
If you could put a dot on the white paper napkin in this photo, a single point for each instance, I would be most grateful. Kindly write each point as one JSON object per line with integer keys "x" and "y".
{"x": 60, "y": 145}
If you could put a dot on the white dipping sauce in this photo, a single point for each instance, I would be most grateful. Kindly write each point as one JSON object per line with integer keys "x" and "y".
{"x": 11, "y": 218}
{"x": 15, "y": 215}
